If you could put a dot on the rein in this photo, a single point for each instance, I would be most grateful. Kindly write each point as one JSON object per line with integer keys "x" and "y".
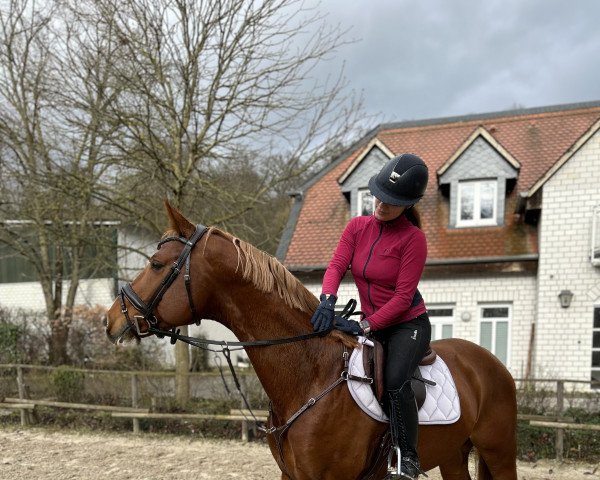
{"x": 174, "y": 335}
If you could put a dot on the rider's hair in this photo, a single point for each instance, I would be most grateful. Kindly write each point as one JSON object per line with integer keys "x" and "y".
{"x": 413, "y": 216}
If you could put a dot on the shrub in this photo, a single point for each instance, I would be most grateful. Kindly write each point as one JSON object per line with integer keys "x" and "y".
{"x": 9, "y": 343}
{"x": 68, "y": 385}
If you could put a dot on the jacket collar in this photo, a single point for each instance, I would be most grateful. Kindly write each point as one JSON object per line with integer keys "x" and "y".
{"x": 398, "y": 222}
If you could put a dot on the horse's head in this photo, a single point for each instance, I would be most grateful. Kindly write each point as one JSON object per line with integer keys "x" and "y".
{"x": 190, "y": 278}
{"x": 168, "y": 292}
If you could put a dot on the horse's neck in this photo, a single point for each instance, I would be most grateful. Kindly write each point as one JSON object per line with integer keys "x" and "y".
{"x": 287, "y": 371}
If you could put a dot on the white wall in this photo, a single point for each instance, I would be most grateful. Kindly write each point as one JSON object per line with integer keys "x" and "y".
{"x": 29, "y": 295}
{"x": 565, "y": 335}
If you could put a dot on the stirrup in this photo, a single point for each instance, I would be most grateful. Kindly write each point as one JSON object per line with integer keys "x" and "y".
{"x": 395, "y": 472}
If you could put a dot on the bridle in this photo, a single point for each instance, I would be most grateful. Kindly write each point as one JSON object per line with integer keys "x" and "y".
{"x": 147, "y": 309}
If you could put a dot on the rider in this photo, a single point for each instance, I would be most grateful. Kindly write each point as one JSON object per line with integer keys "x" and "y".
{"x": 386, "y": 254}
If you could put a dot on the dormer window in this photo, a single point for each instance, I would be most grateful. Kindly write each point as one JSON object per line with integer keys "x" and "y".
{"x": 477, "y": 200}
{"x": 477, "y": 179}
{"x": 366, "y": 202}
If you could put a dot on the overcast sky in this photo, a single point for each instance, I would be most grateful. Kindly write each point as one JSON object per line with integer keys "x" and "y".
{"x": 417, "y": 59}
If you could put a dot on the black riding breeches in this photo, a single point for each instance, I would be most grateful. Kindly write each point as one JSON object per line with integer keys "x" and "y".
{"x": 404, "y": 345}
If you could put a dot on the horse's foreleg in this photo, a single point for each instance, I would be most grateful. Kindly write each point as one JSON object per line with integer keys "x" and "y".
{"x": 457, "y": 468}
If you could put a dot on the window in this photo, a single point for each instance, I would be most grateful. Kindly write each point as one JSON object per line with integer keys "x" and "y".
{"x": 595, "y": 253}
{"x": 14, "y": 267}
{"x": 494, "y": 330}
{"x": 476, "y": 203}
{"x": 366, "y": 203}
{"x": 441, "y": 319}
{"x": 99, "y": 258}
{"x": 596, "y": 348}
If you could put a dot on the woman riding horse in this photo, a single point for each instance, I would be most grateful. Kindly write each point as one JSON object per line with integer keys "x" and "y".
{"x": 386, "y": 253}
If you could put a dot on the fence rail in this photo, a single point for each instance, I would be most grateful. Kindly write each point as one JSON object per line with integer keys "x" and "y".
{"x": 140, "y": 391}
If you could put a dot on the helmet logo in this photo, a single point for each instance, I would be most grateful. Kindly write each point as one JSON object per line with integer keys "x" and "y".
{"x": 394, "y": 177}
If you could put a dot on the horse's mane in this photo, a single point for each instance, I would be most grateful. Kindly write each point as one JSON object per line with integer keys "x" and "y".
{"x": 266, "y": 273}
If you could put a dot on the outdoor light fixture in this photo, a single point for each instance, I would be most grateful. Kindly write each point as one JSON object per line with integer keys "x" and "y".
{"x": 565, "y": 297}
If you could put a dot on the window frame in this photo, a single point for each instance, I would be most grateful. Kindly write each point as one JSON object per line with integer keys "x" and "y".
{"x": 495, "y": 321}
{"x": 477, "y": 221}
{"x": 595, "y": 329}
{"x": 359, "y": 202}
{"x": 595, "y": 240}
{"x": 441, "y": 321}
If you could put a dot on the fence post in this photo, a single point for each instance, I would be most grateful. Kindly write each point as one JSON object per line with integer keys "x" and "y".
{"x": 560, "y": 432}
{"x": 25, "y": 419}
{"x": 245, "y": 432}
{"x": 134, "y": 401}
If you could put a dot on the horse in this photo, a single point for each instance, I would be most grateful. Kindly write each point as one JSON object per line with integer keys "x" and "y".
{"x": 316, "y": 429}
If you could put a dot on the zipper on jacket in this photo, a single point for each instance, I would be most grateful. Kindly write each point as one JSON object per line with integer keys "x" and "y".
{"x": 365, "y": 267}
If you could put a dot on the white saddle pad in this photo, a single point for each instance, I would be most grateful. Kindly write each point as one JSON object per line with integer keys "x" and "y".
{"x": 441, "y": 407}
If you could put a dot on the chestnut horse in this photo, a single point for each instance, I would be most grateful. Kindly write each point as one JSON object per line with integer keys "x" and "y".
{"x": 252, "y": 294}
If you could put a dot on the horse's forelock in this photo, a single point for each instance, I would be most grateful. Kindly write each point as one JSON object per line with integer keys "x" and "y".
{"x": 170, "y": 232}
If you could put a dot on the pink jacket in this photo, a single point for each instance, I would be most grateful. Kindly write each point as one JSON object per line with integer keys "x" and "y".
{"x": 386, "y": 261}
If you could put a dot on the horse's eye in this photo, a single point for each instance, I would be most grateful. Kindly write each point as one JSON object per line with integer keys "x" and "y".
{"x": 156, "y": 265}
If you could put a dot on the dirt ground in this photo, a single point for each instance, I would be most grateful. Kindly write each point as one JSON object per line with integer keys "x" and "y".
{"x": 41, "y": 454}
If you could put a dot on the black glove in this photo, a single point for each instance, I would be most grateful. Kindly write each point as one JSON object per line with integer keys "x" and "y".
{"x": 348, "y": 326}
{"x": 322, "y": 319}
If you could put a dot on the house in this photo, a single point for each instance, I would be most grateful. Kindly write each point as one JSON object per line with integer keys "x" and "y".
{"x": 512, "y": 217}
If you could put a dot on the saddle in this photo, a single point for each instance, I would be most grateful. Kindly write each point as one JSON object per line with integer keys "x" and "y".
{"x": 373, "y": 363}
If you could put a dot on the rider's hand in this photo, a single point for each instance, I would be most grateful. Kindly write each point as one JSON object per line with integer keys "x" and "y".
{"x": 322, "y": 319}
{"x": 348, "y": 326}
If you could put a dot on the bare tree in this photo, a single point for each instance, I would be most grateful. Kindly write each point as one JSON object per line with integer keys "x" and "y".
{"x": 53, "y": 146}
{"x": 220, "y": 106}
{"x": 209, "y": 81}
{"x": 108, "y": 106}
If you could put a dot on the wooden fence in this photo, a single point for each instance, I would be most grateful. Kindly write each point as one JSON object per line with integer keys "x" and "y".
{"x": 138, "y": 407}
{"x": 135, "y": 410}
{"x": 556, "y": 420}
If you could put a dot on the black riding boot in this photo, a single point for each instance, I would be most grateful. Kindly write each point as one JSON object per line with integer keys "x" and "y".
{"x": 404, "y": 425}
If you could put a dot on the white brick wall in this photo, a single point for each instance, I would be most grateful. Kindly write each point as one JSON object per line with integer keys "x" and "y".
{"x": 28, "y": 295}
{"x": 565, "y": 335}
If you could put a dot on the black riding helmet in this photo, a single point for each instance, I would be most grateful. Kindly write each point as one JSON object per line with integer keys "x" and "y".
{"x": 402, "y": 181}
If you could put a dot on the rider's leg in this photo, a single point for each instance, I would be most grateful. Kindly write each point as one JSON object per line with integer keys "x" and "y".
{"x": 405, "y": 344}
{"x": 404, "y": 424}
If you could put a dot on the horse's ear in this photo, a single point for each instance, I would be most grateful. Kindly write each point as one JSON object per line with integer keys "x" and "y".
{"x": 178, "y": 222}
